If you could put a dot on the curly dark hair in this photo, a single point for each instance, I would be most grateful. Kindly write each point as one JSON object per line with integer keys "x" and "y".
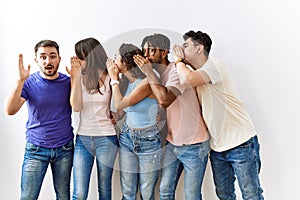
{"x": 127, "y": 51}
{"x": 200, "y": 38}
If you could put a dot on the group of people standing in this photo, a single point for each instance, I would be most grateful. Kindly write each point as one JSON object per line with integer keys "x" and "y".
{"x": 195, "y": 95}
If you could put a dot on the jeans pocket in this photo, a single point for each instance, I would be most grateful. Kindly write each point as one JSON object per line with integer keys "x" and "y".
{"x": 122, "y": 131}
{"x": 246, "y": 144}
{"x": 204, "y": 149}
{"x": 69, "y": 146}
{"x": 152, "y": 137}
{"x": 31, "y": 147}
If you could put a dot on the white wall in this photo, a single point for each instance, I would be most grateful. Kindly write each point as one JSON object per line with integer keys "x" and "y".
{"x": 257, "y": 39}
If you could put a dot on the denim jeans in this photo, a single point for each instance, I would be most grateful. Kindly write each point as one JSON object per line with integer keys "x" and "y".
{"x": 35, "y": 164}
{"x": 190, "y": 158}
{"x": 140, "y": 154}
{"x": 242, "y": 162}
{"x": 87, "y": 148}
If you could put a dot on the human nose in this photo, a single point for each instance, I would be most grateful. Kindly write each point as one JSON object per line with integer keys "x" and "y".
{"x": 48, "y": 60}
{"x": 146, "y": 53}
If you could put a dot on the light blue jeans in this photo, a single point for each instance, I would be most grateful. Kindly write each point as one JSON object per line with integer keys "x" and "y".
{"x": 87, "y": 148}
{"x": 140, "y": 155}
{"x": 242, "y": 162}
{"x": 190, "y": 158}
{"x": 35, "y": 164}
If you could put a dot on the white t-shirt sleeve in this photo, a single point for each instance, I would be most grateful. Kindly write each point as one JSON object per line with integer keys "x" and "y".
{"x": 212, "y": 70}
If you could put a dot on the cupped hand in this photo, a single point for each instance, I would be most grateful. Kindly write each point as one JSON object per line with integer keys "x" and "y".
{"x": 75, "y": 66}
{"x": 143, "y": 63}
{"x": 112, "y": 69}
{"x": 178, "y": 52}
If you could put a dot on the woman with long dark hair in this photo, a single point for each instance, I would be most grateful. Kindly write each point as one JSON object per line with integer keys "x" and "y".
{"x": 96, "y": 136}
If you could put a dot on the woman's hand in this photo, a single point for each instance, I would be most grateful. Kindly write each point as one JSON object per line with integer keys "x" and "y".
{"x": 112, "y": 69}
{"x": 75, "y": 66}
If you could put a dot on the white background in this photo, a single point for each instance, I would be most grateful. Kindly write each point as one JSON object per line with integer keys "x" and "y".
{"x": 258, "y": 40}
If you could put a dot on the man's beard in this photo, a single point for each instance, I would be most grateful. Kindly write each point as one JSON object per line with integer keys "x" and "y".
{"x": 156, "y": 65}
{"x": 49, "y": 70}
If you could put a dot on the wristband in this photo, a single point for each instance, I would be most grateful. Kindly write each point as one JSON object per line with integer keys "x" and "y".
{"x": 178, "y": 60}
{"x": 113, "y": 81}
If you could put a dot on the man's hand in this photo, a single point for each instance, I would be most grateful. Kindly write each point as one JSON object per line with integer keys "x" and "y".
{"x": 143, "y": 63}
{"x": 23, "y": 73}
{"x": 178, "y": 53}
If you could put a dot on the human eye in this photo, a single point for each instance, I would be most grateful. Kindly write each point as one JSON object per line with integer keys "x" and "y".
{"x": 145, "y": 51}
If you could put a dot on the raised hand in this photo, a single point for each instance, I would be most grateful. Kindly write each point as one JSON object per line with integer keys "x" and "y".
{"x": 143, "y": 63}
{"x": 112, "y": 69}
{"x": 23, "y": 73}
{"x": 75, "y": 66}
{"x": 178, "y": 52}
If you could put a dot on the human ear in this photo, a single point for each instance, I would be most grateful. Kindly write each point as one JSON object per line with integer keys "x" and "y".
{"x": 200, "y": 48}
{"x": 164, "y": 53}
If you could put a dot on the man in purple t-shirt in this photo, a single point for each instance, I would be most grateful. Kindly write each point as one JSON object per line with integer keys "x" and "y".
{"x": 49, "y": 132}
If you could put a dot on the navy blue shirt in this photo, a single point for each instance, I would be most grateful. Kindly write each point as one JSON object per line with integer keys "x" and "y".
{"x": 49, "y": 110}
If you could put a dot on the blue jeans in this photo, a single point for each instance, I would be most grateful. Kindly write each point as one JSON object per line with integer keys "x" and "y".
{"x": 140, "y": 154}
{"x": 35, "y": 164}
{"x": 190, "y": 158}
{"x": 241, "y": 162}
{"x": 87, "y": 148}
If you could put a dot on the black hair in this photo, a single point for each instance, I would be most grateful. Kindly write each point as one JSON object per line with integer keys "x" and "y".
{"x": 200, "y": 38}
{"x": 46, "y": 43}
{"x": 127, "y": 51}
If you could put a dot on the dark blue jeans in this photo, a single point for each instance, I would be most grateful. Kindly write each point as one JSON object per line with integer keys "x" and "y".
{"x": 35, "y": 164}
{"x": 242, "y": 162}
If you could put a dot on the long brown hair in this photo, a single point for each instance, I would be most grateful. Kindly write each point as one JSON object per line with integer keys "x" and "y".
{"x": 93, "y": 53}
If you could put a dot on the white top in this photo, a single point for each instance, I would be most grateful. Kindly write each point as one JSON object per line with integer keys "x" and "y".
{"x": 95, "y": 114}
{"x": 228, "y": 121}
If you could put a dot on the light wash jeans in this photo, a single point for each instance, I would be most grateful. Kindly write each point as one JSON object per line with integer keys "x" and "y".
{"x": 140, "y": 155}
{"x": 87, "y": 148}
{"x": 242, "y": 162}
{"x": 190, "y": 158}
{"x": 35, "y": 164}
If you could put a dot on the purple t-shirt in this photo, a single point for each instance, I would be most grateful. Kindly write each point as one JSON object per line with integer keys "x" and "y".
{"x": 49, "y": 110}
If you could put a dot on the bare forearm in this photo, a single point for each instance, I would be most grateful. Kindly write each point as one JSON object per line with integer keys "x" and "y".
{"x": 76, "y": 93}
{"x": 163, "y": 95}
{"x": 141, "y": 91}
{"x": 191, "y": 77}
{"x": 118, "y": 98}
{"x": 14, "y": 101}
